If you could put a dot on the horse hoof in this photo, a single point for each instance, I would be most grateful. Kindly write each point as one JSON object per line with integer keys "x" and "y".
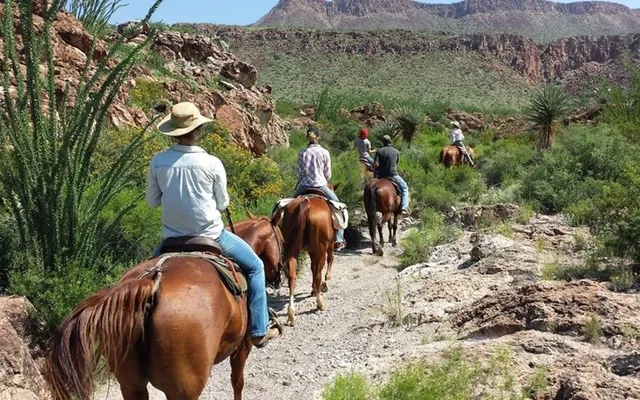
{"x": 321, "y": 307}
{"x": 292, "y": 318}
{"x": 394, "y": 244}
{"x": 380, "y": 252}
{"x": 325, "y": 287}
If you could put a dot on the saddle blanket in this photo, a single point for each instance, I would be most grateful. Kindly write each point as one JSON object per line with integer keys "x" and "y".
{"x": 339, "y": 212}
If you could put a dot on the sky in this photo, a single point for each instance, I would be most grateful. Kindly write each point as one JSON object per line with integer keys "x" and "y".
{"x": 234, "y": 12}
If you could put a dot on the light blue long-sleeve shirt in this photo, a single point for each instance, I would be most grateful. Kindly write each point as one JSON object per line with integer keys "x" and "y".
{"x": 191, "y": 186}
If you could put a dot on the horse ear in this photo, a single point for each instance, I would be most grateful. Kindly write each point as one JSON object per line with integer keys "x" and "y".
{"x": 251, "y": 215}
{"x": 335, "y": 187}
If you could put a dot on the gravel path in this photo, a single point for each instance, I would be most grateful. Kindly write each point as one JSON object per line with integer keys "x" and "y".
{"x": 350, "y": 334}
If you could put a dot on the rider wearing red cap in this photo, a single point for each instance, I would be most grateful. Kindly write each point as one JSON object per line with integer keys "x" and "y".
{"x": 363, "y": 145}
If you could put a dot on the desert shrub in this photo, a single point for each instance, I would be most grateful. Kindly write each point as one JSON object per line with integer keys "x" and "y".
{"x": 94, "y": 14}
{"x": 351, "y": 386}
{"x": 346, "y": 172}
{"x": 546, "y": 108}
{"x": 432, "y": 231}
{"x": 408, "y": 120}
{"x": 340, "y": 138}
{"x": 616, "y": 214}
{"x": 55, "y": 293}
{"x": 146, "y": 94}
{"x": 577, "y": 168}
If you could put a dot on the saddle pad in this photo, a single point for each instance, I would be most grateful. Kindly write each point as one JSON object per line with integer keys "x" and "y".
{"x": 235, "y": 282}
{"x": 339, "y": 213}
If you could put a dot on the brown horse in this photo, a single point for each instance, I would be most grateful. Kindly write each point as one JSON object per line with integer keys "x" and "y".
{"x": 381, "y": 202}
{"x": 451, "y": 156}
{"x": 265, "y": 238}
{"x": 167, "y": 328}
{"x": 307, "y": 224}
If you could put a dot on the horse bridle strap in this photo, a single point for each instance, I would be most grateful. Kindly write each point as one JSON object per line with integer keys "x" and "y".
{"x": 280, "y": 246}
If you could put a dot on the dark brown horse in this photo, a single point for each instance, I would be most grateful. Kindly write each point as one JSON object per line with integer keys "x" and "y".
{"x": 265, "y": 238}
{"x": 382, "y": 202}
{"x": 166, "y": 328}
{"x": 307, "y": 224}
{"x": 451, "y": 156}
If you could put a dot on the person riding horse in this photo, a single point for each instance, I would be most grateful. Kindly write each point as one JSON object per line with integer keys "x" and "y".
{"x": 385, "y": 163}
{"x": 456, "y": 139}
{"x": 363, "y": 146}
{"x": 314, "y": 172}
{"x": 191, "y": 187}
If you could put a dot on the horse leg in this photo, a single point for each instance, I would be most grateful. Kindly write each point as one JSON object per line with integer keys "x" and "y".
{"x": 292, "y": 262}
{"x": 380, "y": 225}
{"x": 133, "y": 384}
{"x": 390, "y": 232}
{"x": 318, "y": 259}
{"x": 327, "y": 277}
{"x": 394, "y": 241}
{"x": 238, "y": 361}
{"x": 134, "y": 392}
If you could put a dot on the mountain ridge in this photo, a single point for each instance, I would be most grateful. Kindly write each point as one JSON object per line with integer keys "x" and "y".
{"x": 541, "y": 20}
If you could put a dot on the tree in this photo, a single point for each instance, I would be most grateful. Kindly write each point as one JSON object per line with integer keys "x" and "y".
{"x": 547, "y": 106}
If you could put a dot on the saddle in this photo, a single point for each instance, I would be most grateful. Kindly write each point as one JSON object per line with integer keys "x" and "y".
{"x": 207, "y": 249}
{"x": 395, "y": 186}
{"x": 339, "y": 213}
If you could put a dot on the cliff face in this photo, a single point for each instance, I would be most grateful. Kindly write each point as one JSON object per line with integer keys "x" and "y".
{"x": 537, "y": 62}
{"x": 537, "y": 19}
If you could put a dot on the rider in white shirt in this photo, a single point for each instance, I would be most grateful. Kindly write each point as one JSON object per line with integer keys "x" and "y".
{"x": 456, "y": 139}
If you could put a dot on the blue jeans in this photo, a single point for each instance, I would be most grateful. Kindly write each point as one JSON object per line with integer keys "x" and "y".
{"x": 367, "y": 158}
{"x": 251, "y": 265}
{"x": 405, "y": 191}
{"x": 330, "y": 195}
{"x": 461, "y": 146}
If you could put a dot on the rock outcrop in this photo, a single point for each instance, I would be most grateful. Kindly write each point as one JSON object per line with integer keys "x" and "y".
{"x": 19, "y": 375}
{"x": 196, "y": 63}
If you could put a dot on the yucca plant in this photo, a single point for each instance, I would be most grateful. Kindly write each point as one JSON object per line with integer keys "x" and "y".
{"x": 408, "y": 121}
{"x": 388, "y": 128}
{"x": 48, "y": 142}
{"x": 548, "y": 105}
{"x": 94, "y": 14}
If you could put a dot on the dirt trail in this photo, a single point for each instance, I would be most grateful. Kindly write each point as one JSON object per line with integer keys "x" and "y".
{"x": 350, "y": 334}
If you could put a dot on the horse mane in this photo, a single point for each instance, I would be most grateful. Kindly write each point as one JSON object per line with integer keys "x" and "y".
{"x": 106, "y": 324}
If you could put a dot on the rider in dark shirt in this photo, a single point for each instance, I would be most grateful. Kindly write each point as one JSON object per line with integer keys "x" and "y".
{"x": 386, "y": 162}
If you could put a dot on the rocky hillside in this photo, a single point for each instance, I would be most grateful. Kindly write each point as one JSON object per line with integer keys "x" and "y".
{"x": 538, "y": 19}
{"x": 181, "y": 67}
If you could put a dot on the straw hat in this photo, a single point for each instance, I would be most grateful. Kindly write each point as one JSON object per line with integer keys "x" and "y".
{"x": 455, "y": 123}
{"x": 184, "y": 118}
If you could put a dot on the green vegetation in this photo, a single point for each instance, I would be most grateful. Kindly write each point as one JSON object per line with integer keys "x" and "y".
{"x": 94, "y": 14}
{"x": 456, "y": 377}
{"x": 460, "y": 80}
{"x": 547, "y": 106}
{"x": 592, "y": 329}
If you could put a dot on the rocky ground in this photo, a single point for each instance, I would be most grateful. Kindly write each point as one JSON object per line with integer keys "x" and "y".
{"x": 481, "y": 292}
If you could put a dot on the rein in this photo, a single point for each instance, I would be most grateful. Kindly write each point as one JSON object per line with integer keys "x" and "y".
{"x": 278, "y": 242}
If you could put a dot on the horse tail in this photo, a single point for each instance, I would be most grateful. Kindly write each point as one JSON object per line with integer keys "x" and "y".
{"x": 108, "y": 324}
{"x": 295, "y": 235}
{"x": 443, "y": 152}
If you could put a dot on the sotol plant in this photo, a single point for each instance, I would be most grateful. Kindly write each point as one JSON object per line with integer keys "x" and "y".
{"x": 547, "y": 106}
{"x": 48, "y": 142}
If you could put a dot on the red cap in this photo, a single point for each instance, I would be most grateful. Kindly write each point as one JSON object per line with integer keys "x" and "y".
{"x": 364, "y": 133}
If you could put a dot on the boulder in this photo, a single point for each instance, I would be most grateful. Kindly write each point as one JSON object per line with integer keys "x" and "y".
{"x": 241, "y": 72}
{"x": 19, "y": 375}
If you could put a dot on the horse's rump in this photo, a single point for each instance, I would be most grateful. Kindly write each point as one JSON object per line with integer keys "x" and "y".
{"x": 186, "y": 303}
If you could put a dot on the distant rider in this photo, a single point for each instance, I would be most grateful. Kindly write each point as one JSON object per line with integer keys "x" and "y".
{"x": 363, "y": 145}
{"x": 191, "y": 187}
{"x": 314, "y": 171}
{"x": 386, "y": 163}
{"x": 456, "y": 139}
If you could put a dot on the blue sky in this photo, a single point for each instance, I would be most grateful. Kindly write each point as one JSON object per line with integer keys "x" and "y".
{"x": 234, "y": 12}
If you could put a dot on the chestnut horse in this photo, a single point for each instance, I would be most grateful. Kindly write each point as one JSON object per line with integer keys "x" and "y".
{"x": 167, "y": 328}
{"x": 307, "y": 224}
{"x": 451, "y": 156}
{"x": 265, "y": 238}
{"x": 381, "y": 202}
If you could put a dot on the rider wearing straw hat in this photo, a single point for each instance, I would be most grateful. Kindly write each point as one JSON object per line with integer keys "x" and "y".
{"x": 191, "y": 187}
{"x": 456, "y": 139}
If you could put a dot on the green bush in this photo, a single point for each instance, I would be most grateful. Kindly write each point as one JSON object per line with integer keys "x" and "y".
{"x": 146, "y": 94}
{"x": 576, "y": 169}
{"x": 432, "y": 231}
{"x": 351, "y": 386}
